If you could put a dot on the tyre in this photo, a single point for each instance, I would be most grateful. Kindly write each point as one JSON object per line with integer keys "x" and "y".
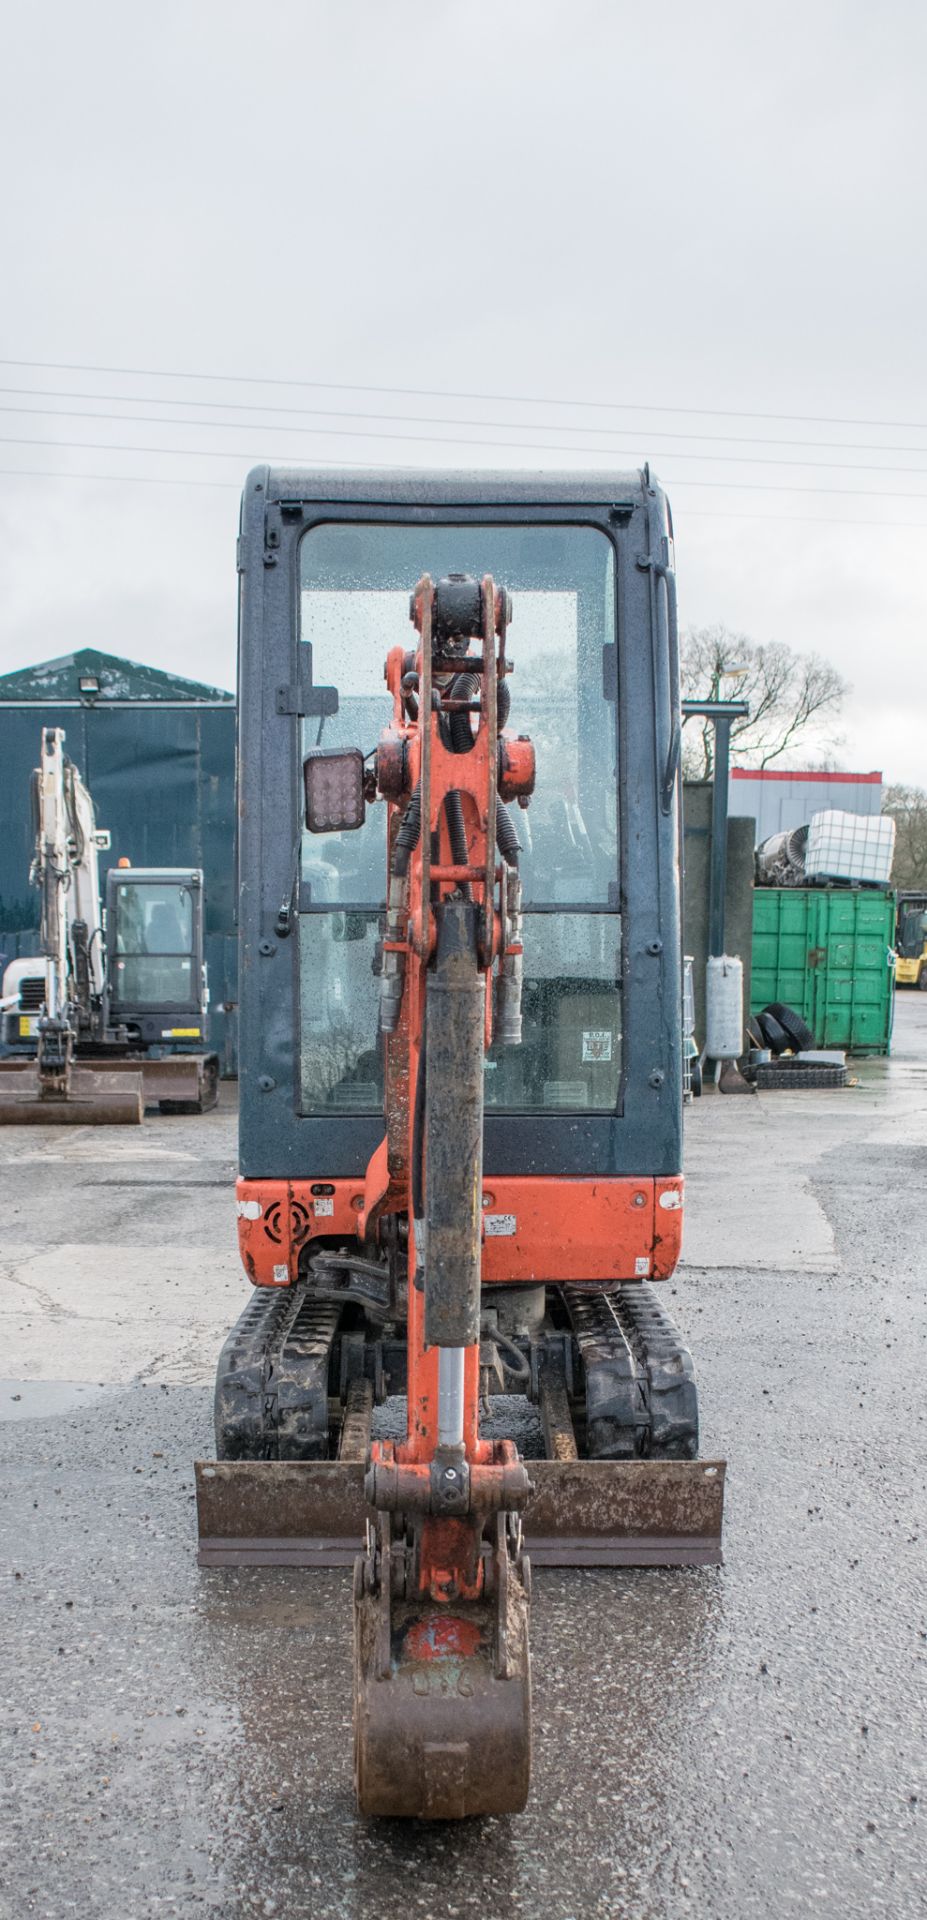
{"x": 774, "y": 1035}
{"x": 922, "y": 977}
{"x": 695, "y": 1079}
{"x": 799, "y": 1033}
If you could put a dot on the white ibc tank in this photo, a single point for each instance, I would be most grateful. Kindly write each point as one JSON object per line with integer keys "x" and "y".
{"x": 724, "y": 1007}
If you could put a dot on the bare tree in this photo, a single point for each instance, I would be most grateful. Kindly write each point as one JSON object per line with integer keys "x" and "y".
{"x": 793, "y": 698}
{"x": 908, "y": 809}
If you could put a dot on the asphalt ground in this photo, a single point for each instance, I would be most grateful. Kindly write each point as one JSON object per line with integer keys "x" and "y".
{"x": 746, "y": 1741}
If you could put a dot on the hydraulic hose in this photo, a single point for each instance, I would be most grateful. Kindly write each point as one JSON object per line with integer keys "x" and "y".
{"x": 507, "y": 839}
{"x": 418, "y": 1129}
{"x": 456, "y": 728}
{"x": 457, "y": 735}
{"x": 410, "y": 826}
{"x": 453, "y": 808}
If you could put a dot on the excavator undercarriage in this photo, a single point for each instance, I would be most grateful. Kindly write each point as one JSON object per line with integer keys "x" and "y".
{"x": 600, "y": 1390}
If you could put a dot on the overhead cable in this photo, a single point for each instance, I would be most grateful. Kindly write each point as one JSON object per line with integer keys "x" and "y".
{"x": 447, "y": 393}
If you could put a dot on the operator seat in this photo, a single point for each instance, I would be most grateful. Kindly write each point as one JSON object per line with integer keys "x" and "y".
{"x": 164, "y": 933}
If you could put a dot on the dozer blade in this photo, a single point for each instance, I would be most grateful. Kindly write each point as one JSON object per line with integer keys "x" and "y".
{"x": 94, "y": 1099}
{"x": 582, "y": 1513}
{"x": 442, "y": 1694}
{"x": 180, "y": 1082}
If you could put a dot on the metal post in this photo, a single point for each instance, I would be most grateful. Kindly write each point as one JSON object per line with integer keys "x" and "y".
{"x": 721, "y": 713}
{"x": 717, "y": 882}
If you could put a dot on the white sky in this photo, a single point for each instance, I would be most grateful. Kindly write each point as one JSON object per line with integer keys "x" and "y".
{"x": 717, "y": 207}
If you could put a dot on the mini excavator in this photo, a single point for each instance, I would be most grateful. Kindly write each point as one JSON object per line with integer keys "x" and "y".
{"x": 110, "y": 1016}
{"x": 461, "y": 1087}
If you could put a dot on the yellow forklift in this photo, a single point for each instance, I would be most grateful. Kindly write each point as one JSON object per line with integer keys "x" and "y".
{"x": 911, "y": 941}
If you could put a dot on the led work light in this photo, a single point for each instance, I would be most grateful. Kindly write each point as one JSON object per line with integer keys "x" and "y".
{"x": 334, "y": 781}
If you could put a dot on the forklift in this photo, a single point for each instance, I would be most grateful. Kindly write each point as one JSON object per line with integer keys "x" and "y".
{"x": 461, "y": 1086}
{"x": 110, "y": 1016}
{"x": 911, "y": 940}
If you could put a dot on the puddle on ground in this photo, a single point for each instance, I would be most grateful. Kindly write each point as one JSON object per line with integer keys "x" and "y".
{"x": 48, "y": 1399}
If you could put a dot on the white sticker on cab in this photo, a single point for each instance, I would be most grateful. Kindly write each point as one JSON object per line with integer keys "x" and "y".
{"x": 325, "y": 1205}
{"x": 641, "y": 1267}
{"x": 500, "y": 1224}
{"x": 249, "y": 1209}
{"x": 597, "y": 1046}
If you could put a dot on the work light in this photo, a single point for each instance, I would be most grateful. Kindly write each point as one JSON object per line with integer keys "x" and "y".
{"x": 334, "y": 780}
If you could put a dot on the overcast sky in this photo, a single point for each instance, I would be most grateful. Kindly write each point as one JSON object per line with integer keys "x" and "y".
{"x": 689, "y": 216}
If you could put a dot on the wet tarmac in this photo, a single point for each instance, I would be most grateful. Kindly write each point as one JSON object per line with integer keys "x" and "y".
{"x": 748, "y": 1741}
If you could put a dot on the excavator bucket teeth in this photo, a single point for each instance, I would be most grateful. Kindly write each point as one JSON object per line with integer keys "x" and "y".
{"x": 442, "y": 1703}
{"x": 582, "y": 1513}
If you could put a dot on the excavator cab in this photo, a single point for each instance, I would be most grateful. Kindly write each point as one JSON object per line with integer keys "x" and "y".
{"x": 461, "y": 1085}
{"x": 155, "y": 972}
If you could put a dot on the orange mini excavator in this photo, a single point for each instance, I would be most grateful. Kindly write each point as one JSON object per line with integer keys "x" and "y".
{"x": 460, "y": 1087}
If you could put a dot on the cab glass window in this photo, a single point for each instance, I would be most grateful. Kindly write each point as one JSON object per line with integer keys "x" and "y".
{"x": 355, "y": 583}
{"x": 153, "y": 941}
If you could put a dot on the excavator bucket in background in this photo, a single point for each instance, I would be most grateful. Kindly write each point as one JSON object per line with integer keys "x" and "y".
{"x": 111, "y": 1095}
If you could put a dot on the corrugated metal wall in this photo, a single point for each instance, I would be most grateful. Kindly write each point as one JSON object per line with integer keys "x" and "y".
{"x": 780, "y": 801}
{"x": 162, "y": 779}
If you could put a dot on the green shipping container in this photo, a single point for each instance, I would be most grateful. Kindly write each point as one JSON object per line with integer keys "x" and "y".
{"x": 827, "y": 952}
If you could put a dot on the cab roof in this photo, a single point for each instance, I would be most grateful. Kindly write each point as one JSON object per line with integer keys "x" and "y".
{"x": 450, "y": 486}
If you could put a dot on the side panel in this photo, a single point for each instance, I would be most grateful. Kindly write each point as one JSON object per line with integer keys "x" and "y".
{"x": 534, "y": 1230}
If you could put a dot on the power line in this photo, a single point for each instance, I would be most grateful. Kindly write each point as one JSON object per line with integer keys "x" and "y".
{"x": 237, "y": 453}
{"x": 691, "y": 513}
{"x": 447, "y": 439}
{"x": 114, "y": 479}
{"x": 447, "y": 393}
{"x": 418, "y": 419}
{"x": 797, "y": 519}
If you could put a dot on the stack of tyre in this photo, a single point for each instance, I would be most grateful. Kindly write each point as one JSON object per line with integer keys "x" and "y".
{"x": 783, "y": 1052}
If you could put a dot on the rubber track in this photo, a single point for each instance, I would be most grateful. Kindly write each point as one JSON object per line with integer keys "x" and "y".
{"x": 617, "y": 1412}
{"x": 667, "y": 1363}
{"x": 271, "y": 1400}
{"x": 776, "y": 1074}
{"x": 641, "y": 1396}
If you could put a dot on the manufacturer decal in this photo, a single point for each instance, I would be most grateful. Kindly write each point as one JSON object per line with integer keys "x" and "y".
{"x": 641, "y": 1267}
{"x": 597, "y": 1046}
{"x": 500, "y": 1225}
{"x": 324, "y": 1204}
